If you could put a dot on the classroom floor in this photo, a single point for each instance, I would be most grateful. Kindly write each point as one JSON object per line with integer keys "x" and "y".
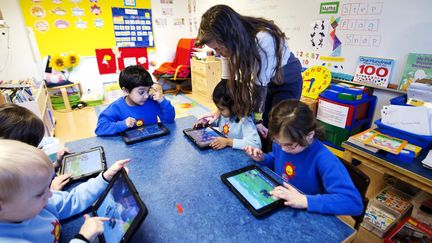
{"x": 81, "y": 123}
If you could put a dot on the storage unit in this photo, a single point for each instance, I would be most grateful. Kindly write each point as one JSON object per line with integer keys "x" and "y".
{"x": 205, "y": 76}
{"x": 64, "y": 97}
{"x": 343, "y": 118}
{"x": 41, "y": 104}
{"x": 379, "y": 219}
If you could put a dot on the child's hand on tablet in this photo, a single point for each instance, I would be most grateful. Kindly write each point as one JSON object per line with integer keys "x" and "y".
{"x": 157, "y": 93}
{"x": 220, "y": 143}
{"x": 116, "y": 167}
{"x": 292, "y": 196}
{"x": 255, "y": 153}
{"x": 59, "y": 182}
{"x": 92, "y": 227}
{"x": 60, "y": 155}
{"x": 211, "y": 117}
{"x": 130, "y": 122}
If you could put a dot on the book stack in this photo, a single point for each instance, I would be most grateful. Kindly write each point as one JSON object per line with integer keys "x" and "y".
{"x": 427, "y": 162}
{"x": 410, "y": 230}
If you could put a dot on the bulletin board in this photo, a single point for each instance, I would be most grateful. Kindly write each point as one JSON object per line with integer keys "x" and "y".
{"x": 78, "y": 26}
{"x": 336, "y": 33}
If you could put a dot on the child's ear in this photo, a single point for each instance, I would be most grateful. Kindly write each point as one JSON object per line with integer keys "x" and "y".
{"x": 310, "y": 135}
{"x": 125, "y": 91}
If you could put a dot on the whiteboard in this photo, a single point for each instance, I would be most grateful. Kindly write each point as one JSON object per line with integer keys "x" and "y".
{"x": 378, "y": 28}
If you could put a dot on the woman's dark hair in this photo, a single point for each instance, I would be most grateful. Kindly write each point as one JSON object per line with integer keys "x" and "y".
{"x": 134, "y": 76}
{"x": 19, "y": 123}
{"x": 294, "y": 120}
{"x": 238, "y": 33}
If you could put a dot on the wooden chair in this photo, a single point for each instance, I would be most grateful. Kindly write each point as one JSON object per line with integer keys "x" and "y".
{"x": 361, "y": 182}
{"x": 177, "y": 71}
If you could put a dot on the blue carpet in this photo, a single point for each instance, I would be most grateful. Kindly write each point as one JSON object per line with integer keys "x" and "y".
{"x": 184, "y": 106}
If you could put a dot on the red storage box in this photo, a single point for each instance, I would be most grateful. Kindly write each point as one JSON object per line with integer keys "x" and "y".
{"x": 410, "y": 230}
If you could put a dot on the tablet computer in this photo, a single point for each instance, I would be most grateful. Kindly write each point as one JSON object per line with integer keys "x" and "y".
{"x": 142, "y": 133}
{"x": 123, "y": 206}
{"x": 252, "y": 186}
{"x": 202, "y": 137}
{"x": 84, "y": 164}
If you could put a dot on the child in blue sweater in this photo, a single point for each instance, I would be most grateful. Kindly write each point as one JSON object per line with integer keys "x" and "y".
{"x": 239, "y": 132}
{"x": 302, "y": 160}
{"x": 29, "y": 210}
{"x": 142, "y": 104}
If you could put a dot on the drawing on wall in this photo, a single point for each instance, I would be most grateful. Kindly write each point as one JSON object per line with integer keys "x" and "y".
{"x": 318, "y": 33}
{"x": 59, "y": 11}
{"x": 336, "y": 43}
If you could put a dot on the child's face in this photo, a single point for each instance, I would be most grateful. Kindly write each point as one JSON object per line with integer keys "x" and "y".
{"x": 225, "y": 112}
{"x": 138, "y": 95}
{"x": 218, "y": 48}
{"x": 29, "y": 201}
{"x": 287, "y": 145}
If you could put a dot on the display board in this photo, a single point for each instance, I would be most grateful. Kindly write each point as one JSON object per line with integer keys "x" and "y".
{"x": 80, "y": 26}
{"x": 336, "y": 33}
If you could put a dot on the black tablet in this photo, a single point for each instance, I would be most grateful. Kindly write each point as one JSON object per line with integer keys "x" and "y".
{"x": 252, "y": 186}
{"x": 84, "y": 164}
{"x": 202, "y": 137}
{"x": 123, "y": 206}
{"x": 139, "y": 134}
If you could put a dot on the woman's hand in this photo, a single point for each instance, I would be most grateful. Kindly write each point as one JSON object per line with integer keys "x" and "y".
{"x": 59, "y": 182}
{"x": 116, "y": 167}
{"x": 255, "y": 153}
{"x": 262, "y": 130}
{"x": 92, "y": 227}
{"x": 207, "y": 119}
{"x": 220, "y": 143}
{"x": 292, "y": 196}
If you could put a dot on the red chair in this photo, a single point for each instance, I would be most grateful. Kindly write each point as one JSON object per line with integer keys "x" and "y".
{"x": 177, "y": 71}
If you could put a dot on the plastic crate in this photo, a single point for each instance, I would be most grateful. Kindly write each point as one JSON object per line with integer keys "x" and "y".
{"x": 422, "y": 141}
{"x": 400, "y": 100}
{"x": 379, "y": 219}
{"x": 336, "y": 135}
{"x": 395, "y": 200}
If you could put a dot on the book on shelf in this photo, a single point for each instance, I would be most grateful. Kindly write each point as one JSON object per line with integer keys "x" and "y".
{"x": 427, "y": 162}
{"x": 360, "y": 139}
{"x": 374, "y": 71}
{"x": 410, "y": 230}
{"x": 418, "y": 67}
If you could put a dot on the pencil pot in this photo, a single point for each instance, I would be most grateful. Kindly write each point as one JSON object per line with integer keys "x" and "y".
{"x": 422, "y": 141}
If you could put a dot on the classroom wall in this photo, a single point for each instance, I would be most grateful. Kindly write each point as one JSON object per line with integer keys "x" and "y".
{"x": 21, "y": 51}
{"x": 17, "y": 60}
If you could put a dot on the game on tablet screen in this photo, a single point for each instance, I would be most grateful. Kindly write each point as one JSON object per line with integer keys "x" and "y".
{"x": 121, "y": 208}
{"x": 254, "y": 186}
{"x": 82, "y": 164}
{"x": 204, "y": 136}
{"x": 153, "y": 129}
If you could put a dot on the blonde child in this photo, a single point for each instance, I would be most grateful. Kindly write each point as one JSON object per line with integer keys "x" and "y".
{"x": 302, "y": 160}
{"x": 239, "y": 132}
{"x": 29, "y": 211}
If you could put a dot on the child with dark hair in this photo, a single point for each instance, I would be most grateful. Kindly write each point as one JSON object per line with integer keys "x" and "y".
{"x": 301, "y": 159}
{"x": 135, "y": 108}
{"x": 239, "y": 132}
{"x": 19, "y": 123}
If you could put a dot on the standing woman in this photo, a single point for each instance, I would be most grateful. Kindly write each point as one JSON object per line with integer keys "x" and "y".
{"x": 262, "y": 69}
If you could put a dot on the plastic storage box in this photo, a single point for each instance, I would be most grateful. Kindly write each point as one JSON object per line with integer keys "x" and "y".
{"x": 379, "y": 219}
{"x": 400, "y": 100}
{"x": 424, "y": 142}
{"x": 395, "y": 200}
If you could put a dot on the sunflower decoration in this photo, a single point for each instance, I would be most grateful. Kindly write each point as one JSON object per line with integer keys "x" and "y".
{"x": 64, "y": 63}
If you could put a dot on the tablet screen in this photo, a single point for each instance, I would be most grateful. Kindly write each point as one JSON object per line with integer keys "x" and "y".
{"x": 204, "y": 136}
{"x": 83, "y": 163}
{"x": 120, "y": 206}
{"x": 254, "y": 187}
{"x": 145, "y": 131}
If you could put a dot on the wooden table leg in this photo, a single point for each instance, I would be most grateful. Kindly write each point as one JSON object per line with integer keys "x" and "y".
{"x": 65, "y": 99}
